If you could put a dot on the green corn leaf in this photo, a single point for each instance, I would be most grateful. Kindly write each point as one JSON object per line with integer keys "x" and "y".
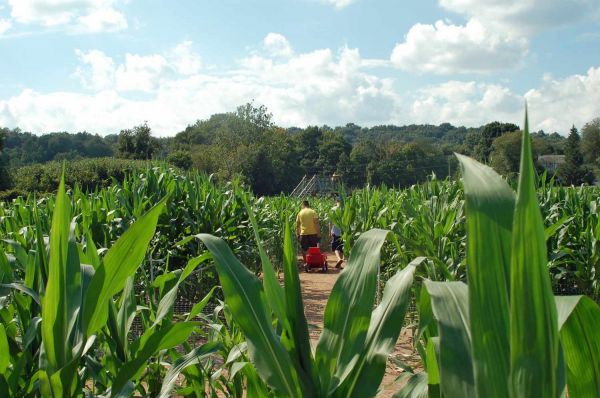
{"x": 579, "y": 323}
{"x": 19, "y": 252}
{"x": 533, "y": 319}
{"x": 120, "y": 262}
{"x": 551, "y": 230}
{"x": 273, "y": 290}
{"x": 191, "y": 358}
{"x": 199, "y": 307}
{"x": 62, "y": 299}
{"x": 386, "y": 323}
{"x": 296, "y": 317}
{"x": 449, "y": 301}
{"x": 61, "y": 383}
{"x": 426, "y": 318}
{"x": 245, "y": 298}
{"x": 415, "y": 387}
{"x": 126, "y": 391}
{"x": 490, "y": 205}
{"x": 31, "y": 332}
{"x": 5, "y": 357}
{"x": 433, "y": 372}
{"x": 18, "y": 286}
{"x": 126, "y": 313}
{"x": 119, "y": 347}
{"x": 348, "y": 311}
{"x": 6, "y": 271}
{"x": 158, "y": 340}
{"x": 165, "y": 305}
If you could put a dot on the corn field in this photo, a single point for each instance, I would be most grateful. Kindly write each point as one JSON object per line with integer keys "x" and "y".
{"x": 79, "y": 269}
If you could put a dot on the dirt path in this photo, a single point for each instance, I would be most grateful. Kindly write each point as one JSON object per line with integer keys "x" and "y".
{"x": 316, "y": 288}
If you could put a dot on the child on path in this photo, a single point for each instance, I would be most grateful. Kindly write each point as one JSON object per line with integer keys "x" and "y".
{"x": 335, "y": 233}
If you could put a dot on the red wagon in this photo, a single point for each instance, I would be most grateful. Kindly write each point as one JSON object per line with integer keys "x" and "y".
{"x": 315, "y": 259}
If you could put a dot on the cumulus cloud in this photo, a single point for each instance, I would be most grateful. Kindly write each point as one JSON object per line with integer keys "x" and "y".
{"x": 526, "y": 16}
{"x": 554, "y": 106}
{"x": 97, "y": 71}
{"x": 572, "y": 100}
{"x": 466, "y": 103}
{"x": 316, "y": 87}
{"x": 450, "y": 49}
{"x": 322, "y": 86}
{"x": 142, "y": 73}
{"x": 185, "y": 60}
{"x": 79, "y": 15}
{"x": 278, "y": 45}
{"x": 102, "y": 20}
{"x": 495, "y": 37}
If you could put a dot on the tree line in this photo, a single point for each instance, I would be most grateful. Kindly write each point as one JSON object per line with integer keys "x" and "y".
{"x": 248, "y": 145}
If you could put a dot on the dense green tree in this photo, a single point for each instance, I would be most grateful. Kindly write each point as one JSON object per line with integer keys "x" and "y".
{"x": 331, "y": 148}
{"x": 259, "y": 117}
{"x": 22, "y": 148}
{"x": 548, "y": 144}
{"x": 4, "y": 175}
{"x": 506, "y": 152}
{"x": 247, "y": 144}
{"x": 137, "y": 143}
{"x": 590, "y": 142}
{"x": 489, "y": 133}
{"x": 572, "y": 171}
{"x": 308, "y": 142}
{"x": 354, "y": 169}
{"x": 407, "y": 164}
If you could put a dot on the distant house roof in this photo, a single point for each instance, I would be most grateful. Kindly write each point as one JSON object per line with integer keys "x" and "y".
{"x": 551, "y": 159}
{"x": 551, "y": 162}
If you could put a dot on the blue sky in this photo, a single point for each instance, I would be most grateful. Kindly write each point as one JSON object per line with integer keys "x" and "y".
{"x": 104, "y": 65}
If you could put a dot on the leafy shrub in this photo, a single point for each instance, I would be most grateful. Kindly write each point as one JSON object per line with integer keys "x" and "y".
{"x": 181, "y": 159}
{"x": 89, "y": 174}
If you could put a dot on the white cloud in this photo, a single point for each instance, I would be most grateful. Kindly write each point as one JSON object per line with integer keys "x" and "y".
{"x": 525, "y": 16}
{"x": 97, "y": 71}
{"x": 339, "y": 3}
{"x": 495, "y": 37}
{"x": 79, "y": 15}
{"x": 568, "y": 101}
{"x": 554, "y": 106}
{"x": 450, "y": 49}
{"x": 141, "y": 73}
{"x": 310, "y": 88}
{"x": 466, "y": 103}
{"x": 317, "y": 87}
{"x": 185, "y": 60}
{"x": 277, "y": 45}
{"x": 102, "y": 20}
{"x": 5, "y": 25}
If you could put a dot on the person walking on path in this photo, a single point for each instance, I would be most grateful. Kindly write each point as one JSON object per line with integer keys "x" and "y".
{"x": 308, "y": 228}
{"x": 335, "y": 234}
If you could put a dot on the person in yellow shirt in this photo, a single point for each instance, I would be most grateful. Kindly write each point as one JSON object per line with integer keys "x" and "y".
{"x": 308, "y": 228}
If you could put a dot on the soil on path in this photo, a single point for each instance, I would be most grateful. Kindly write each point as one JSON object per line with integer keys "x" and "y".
{"x": 316, "y": 287}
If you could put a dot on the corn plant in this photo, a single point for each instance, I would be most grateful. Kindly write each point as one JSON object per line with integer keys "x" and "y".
{"x": 350, "y": 358}
{"x": 65, "y": 326}
{"x": 505, "y": 334}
